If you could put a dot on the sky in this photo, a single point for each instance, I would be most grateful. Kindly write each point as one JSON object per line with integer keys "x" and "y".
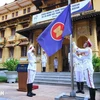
{"x": 2, "y": 2}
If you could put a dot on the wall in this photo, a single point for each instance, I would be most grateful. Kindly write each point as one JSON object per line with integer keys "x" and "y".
{"x": 82, "y": 28}
{"x": 96, "y": 4}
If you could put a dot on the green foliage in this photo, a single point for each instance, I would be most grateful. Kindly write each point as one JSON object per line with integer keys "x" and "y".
{"x": 3, "y": 79}
{"x": 11, "y": 64}
{"x": 96, "y": 63}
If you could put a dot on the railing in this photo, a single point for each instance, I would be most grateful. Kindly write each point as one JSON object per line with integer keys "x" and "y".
{"x": 1, "y": 39}
{"x": 23, "y": 38}
{"x": 23, "y": 59}
{"x": 11, "y": 38}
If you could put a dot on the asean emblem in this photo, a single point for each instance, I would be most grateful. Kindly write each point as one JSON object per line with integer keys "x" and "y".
{"x": 57, "y": 30}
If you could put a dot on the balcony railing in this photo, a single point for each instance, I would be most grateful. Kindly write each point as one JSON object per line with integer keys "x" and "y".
{"x": 23, "y": 59}
{"x": 23, "y": 38}
{"x": 1, "y": 40}
{"x": 11, "y": 38}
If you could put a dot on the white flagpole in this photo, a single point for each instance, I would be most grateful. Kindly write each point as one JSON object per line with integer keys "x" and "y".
{"x": 72, "y": 93}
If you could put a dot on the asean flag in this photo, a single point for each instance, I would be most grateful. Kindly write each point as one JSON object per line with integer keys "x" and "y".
{"x": 52, "y": 37}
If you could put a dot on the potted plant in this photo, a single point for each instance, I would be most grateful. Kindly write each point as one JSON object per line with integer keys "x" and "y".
{"x": 96, "y": 65}
{"x": 11, "y": 65}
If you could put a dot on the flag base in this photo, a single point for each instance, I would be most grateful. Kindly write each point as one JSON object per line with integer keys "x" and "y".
{"x": 63, "y": 96}
{"x": 73, "y": 94}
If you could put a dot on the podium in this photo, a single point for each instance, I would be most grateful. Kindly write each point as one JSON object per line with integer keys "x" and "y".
{"x": 22, "y": 77}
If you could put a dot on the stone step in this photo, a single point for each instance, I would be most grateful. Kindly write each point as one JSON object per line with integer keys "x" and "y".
{"x": 54, "y": 73}
{"x": 46, "y": 76}
{"x": 54, "y": 79}
{"x": 59, "y": 78}
{"x": 52, "y": 82}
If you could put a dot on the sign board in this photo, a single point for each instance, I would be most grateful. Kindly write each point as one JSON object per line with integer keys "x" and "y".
{"x": 75, "y": 8}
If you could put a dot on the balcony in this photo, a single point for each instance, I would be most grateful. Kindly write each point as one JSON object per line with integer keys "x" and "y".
{"x": 23, "y": 59}
{"x": 23, "y": 38}
{"x": 1, "y": 40}
{"x": 8, "y": 45}
{"x": 11, "y": 38}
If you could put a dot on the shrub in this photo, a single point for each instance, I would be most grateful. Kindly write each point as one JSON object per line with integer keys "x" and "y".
{"x": 3, "y": 79}
{"x": 96, "y": 63}
{"x": 11, "y": 64}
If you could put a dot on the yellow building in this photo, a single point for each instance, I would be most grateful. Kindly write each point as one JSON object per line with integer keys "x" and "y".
{"x": 18, "y": 17}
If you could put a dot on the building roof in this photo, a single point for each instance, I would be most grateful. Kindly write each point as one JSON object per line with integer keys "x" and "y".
{"x": 14, "y": 5}
{"x": 76, "y": 17}
{"x": 85, "y": 15}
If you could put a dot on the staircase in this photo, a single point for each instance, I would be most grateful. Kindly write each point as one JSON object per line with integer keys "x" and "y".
{"x": 57, "y": 78}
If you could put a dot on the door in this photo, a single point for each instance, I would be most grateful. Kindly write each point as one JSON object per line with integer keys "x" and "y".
{"x": 65, "y": 51}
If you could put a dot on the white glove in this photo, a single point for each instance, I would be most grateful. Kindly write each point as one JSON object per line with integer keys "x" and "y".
{"x": 73, "y": 43}
{"x": 74, "y": 55}
{"x": 74, "y": 46}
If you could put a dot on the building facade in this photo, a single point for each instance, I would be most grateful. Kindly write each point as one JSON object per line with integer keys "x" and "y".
{"x": 17, "y": 18}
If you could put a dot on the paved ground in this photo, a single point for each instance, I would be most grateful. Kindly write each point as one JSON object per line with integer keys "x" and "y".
{"x": 8, "y": 91}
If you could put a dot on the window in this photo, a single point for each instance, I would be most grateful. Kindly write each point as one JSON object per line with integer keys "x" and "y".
{"x": 12, "y": 31}
{"x": 23, "y": 51}
{"x": 5, "y": 16}
{"x": 28, "y": 9}
{"x": 12, "y": 14}
{"x": 0, "y": 53}
{"x": 11, "y": 52}
{"x": 2, "y": 33}
{"x": 17, "y": 13}
{"x": 24, "y": 11}
{"x": 2, "y": 17}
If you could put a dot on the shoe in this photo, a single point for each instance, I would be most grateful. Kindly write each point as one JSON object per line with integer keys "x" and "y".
{"x": 82, "y": 91}
{"x": 33, "y": 94}
{"x": 78, "y": 91}
{"x": 29, "y": 95}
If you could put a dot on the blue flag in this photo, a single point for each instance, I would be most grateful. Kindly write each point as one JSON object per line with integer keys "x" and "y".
{"x": 52, "y": 37}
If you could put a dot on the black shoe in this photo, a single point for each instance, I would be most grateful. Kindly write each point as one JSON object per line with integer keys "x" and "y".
{"x": 33, "y": 94}
{"x": 78, "y": 91}
{"x": 29, "y": 95}
{"x": 82, "y": 91}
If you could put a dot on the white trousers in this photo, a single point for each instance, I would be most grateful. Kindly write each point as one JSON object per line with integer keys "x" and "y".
{"x": 55, "y": 66}
{"x": 43, "y": 64}
{"x": 79, "y": 76}
{"x": 89, "y": 78}
{"x": 30, "y": 76}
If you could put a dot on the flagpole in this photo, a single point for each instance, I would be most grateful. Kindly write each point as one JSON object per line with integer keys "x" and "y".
{"x": 72, "y": 93}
